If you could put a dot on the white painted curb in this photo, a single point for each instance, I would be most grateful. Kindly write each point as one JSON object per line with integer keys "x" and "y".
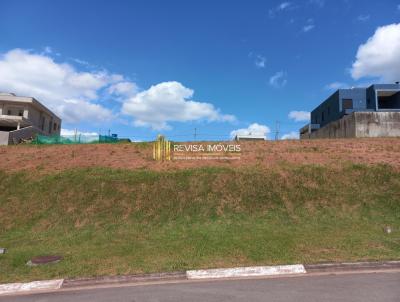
{"x": 10, "y": 288}
{"x": 252, "y": 271}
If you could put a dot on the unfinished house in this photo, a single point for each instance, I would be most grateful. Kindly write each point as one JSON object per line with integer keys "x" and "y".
{"x": 357, "y": 112}
{"x": 22, "y": 118}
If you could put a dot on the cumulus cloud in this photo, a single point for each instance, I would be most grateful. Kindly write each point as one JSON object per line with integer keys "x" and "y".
{"x": 253, "y": 129}
{"x": 123, "y": 89}
{"x": 379, "y": 57}
{"x": 69, "y": 132}
{"x": 299, "y": 116}
{"x": 291, "y": 135}
{"x": 278, "y": 80}
{"x": 70, "y": 93}
{"x": 169, "y": 102}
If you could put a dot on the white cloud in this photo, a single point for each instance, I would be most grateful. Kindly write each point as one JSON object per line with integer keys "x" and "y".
{"x": 308, "y": 27}
{"x": 363, "y": 18}
{"x": 253, "y": 129}
{"x": 336, "y": 85}
{"x": 75, "y": 111}
{"x": 80, "y": 135}
{"x": 280, "y": 7}
{"x": 299, "y": 116}
{"x": 69, "y": 132}
{"x": 123, "y": 89}
{"x": 260, "y": 61}
{"x": 291, "y": 135}
{"x": 169, "y": 102}
{"x": 380, "y": 56}
{"x": 398, "y": 6}
{"x": 69, "y": 93}
{"x": 79, "y": 61}
{"x": 278, "y": 80}
{"x": 284, "y": 5}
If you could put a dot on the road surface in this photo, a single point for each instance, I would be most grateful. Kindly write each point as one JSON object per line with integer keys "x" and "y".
{"x": 379, "y": 287}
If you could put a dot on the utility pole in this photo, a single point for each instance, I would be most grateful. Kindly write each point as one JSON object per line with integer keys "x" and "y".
{"x": 276, "y": 130}
{"x": 195, "y": 134}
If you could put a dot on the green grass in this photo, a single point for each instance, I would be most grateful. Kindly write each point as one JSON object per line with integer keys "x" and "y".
{"x": 105, "y": 221}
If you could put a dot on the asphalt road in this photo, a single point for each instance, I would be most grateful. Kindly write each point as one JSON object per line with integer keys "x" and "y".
{"x": 355, "y": 287}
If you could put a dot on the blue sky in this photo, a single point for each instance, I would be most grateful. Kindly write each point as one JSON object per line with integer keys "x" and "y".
{"x": 217, "y": 66}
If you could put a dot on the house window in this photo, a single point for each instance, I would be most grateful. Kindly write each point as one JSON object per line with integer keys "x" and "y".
{"x": 347, "y": 104}
{"x": 21, "y": 113}
{"x": 322, "y": 116}
{"x": 9, "y": 112}
{"x": 54, "y": 126}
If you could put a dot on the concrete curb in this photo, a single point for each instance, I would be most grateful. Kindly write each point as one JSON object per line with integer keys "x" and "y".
{"x": 11, "y": 288}
{"x": 254, "y": 271}
{"x": 237, "y": 272}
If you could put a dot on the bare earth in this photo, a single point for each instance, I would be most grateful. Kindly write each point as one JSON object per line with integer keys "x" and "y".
{"x": 139, "y": 156}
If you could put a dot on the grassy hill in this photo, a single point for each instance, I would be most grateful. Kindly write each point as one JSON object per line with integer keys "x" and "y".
{"x": 109, "y": 220}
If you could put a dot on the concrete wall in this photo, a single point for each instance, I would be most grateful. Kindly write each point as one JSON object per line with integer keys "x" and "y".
{"x": 360, "y": 124}
{"x": 17, "y": 136}
{"x": 377, "y": 124}
{"x": 4, "y": 138}
{"x": 344, "y": 127}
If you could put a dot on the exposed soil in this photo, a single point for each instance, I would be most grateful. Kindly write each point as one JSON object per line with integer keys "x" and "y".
{"x": 139, "y": 156}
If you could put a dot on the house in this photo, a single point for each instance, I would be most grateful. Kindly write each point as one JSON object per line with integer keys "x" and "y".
{"x": 22, "y": 118}
{"x": 357, "y": 112}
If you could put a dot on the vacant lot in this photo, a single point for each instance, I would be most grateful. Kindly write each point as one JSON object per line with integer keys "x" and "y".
{"x": 122, "y": 213}
{"x": 47, "y": 159}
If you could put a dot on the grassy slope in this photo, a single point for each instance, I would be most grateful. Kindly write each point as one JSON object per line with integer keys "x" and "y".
{"x": 106, "y": 221}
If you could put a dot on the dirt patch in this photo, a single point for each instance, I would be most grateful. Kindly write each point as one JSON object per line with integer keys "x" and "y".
{"x": 264, "y": 154}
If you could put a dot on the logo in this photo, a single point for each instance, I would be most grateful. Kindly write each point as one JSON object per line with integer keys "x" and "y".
{"x": 162, "y": 149}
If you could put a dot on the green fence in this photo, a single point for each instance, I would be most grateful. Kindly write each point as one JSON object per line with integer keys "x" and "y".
{"x": 74, "y": 139}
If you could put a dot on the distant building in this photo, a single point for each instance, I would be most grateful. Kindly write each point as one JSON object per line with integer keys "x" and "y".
{"x": 22, "y": 118}
{"x": 357, "y": 112}
{"x": 250, "y": 137}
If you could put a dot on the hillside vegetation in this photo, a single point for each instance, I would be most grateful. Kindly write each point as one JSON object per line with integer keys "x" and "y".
{"x": 122, "y": 221}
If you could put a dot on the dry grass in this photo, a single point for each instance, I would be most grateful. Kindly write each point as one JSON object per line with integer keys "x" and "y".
{"x": 268, "y": 154}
